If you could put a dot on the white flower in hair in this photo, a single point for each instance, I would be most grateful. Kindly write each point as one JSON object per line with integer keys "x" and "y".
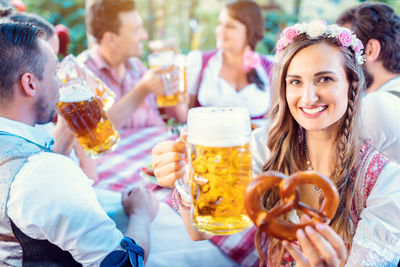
{"x": 315, "y": 28}
{"x": 334, "y": 30}
{"x": 301, "y": 27}
{"x": 354, "y": 41}
{"x": 360, "y": 59}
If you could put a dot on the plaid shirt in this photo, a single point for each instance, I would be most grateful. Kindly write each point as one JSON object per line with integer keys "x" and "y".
{"x": 147, "y": 114}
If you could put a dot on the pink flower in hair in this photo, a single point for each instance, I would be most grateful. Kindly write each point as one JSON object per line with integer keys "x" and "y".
{"x": 250, "y": 60}
{"x": 359, "y": 46}
{"x": 344, "y": 38}
{"x": 282, "y": 43}
{"x": 290, "y": 33}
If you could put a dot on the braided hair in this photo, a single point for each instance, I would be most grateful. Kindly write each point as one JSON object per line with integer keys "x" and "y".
{"x": 286, "y": 140}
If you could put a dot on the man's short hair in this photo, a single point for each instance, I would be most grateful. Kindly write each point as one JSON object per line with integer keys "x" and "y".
{"x": 36, "y": 20}
{"x": 376, "y": 21}
{"x": 103, "y": 16}
{"x": 19, "y": 53}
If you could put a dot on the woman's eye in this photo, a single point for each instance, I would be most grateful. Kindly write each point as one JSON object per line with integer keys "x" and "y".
{"x": 294, "y": 82}
{"x": 325, "y": 79}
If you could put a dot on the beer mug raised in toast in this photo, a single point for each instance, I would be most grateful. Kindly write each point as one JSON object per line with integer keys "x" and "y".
{"x": 84, "y": 115}
{"x": 221, "y": 168}
{"x": 70, "y": 69}
{"x": 173, "y": 94}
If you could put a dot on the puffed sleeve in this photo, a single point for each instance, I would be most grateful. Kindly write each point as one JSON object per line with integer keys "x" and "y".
{"x": 383, "y": 133}
{"x": 194, "y": 62}
{"x": 377, "y": 238}
{"x": 259, "y": 149}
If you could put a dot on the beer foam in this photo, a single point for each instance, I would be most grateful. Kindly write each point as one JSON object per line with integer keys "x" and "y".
{"x": 219, "y": 127}
{"x": 75, "y": 91}
{"x": 163, "y": 59}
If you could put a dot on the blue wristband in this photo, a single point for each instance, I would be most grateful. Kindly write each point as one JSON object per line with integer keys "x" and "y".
{"x": 132, "y": 256}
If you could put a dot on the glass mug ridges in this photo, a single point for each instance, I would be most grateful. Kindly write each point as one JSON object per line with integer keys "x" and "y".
{"x": 87, "y": 120}
{"x": 220, "y": 178}
{"x": 166, "y": 59}
{"x": 221, "y": 168}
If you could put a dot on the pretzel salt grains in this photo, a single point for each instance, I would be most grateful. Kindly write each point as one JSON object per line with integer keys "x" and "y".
{"x": 269, "y": 221}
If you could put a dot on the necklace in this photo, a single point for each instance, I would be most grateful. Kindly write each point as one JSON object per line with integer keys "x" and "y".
{"x": 309, "y": 167}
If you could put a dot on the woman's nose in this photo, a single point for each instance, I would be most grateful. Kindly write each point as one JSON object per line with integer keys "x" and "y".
{"x": 309, "y": 94}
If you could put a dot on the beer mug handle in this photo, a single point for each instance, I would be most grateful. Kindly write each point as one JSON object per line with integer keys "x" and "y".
{"x": 183, "y": 188}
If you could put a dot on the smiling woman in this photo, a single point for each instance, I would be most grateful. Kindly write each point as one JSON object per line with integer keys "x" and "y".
{"x": 233, "y": 74}
{"x": 319, "y": 79}
{"x": 313, "y": 124}
{"x": 317, "y": 94}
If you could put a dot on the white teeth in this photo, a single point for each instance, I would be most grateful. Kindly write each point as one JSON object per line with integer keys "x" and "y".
{"x": 313, "y": 110}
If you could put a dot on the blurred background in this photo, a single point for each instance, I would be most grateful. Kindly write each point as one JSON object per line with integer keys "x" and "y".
{"x": 191, "y": 23}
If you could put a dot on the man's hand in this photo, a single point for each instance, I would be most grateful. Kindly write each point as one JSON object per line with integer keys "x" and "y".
{"x": 161, "y": 80}
{"x": 63, "y": 137}
{"x": 139, "y": 201}
{"x": 141, "y": 206}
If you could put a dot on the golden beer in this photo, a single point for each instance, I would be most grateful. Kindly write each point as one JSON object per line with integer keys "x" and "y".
{"x": 222, "y": 169}
{"x": 87, "y": 119}
{"x": 221, "y": 176}
{"x": 172, "y": 95}
{"x": 70, "y": 69}
{"x": 103, "y": 92}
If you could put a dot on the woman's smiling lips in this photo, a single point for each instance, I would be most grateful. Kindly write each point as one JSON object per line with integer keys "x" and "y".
{"x": 313, "y": 112}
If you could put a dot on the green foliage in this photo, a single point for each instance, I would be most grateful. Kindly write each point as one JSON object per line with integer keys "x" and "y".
{"x": 71, "y": 13}
{"x": 275, "y": 21}
{"x": 174, "y": 21}
{"x": 174, "y": 127}
{"x": 205, "y": 37}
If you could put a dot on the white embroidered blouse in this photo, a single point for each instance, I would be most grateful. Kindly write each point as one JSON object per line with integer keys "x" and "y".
{"x": 215, "y": 91}
{"x": 377, "y": 238}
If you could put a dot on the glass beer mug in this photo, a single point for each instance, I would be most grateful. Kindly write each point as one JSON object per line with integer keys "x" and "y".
{"x": 221, "y": 168}
{"x": 84, "y": 115}
{"x": 175, "y": 66}
{"x": 70, "y": 69}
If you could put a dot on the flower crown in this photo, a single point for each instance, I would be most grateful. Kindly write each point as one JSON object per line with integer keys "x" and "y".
{"x": 317, "y": 28}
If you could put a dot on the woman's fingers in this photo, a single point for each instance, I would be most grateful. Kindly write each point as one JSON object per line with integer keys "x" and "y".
{"x": 168, "y": 146}
{"x": 296, "y": 253}
{"x": 167, "y": 158}
{"x": 307, "y": 247}
{"x": 320, "y": 246}
{"x": 169, "y": 180}
{"x": 334, "y": 239}
{"x": 323, "y": 247}
{"x": 169, "y": 168}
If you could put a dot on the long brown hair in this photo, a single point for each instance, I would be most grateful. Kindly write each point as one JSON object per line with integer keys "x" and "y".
{"x": 286, "y": 137}
{"x": 249, "y": 14}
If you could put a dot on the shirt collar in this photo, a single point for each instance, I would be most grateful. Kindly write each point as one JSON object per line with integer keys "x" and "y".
{"x": 98, "y": 59}
{"x": 391, "y": 85}
{"x": 26, "y": 131}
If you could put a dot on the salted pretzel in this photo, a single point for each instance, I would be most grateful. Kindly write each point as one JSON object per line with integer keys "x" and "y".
{"x": 269, "y": 221}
